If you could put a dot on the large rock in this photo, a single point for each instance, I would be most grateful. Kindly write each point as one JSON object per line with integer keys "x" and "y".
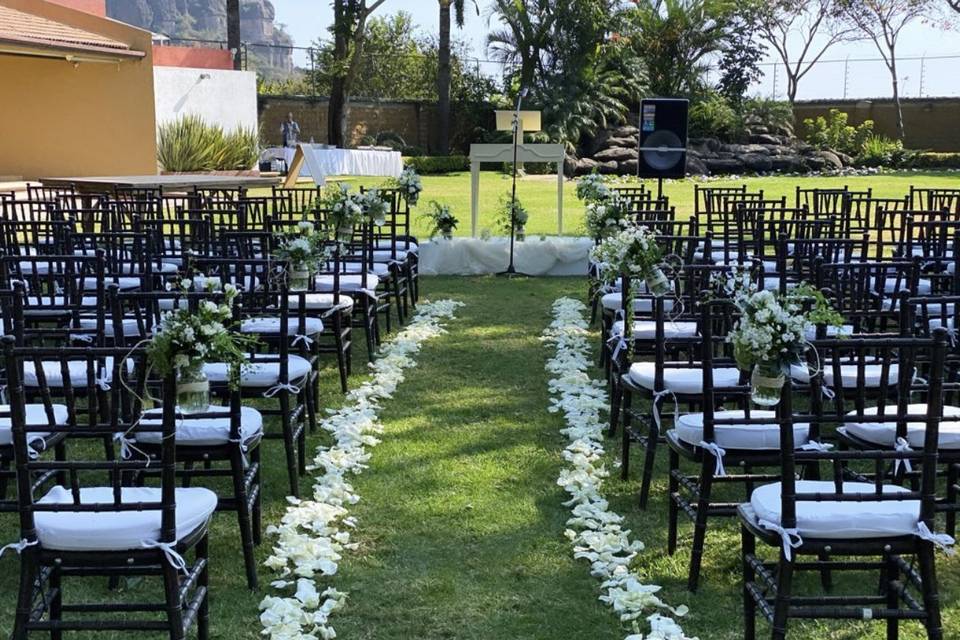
{"x": 617, "y": 154}
{"x": 743, "y": 149}
{"x": 607, "y": 168}
{"x": 710, "y": 144}
{"x": 764, "y": 138}
{"x": 628, "y": 168}
{"x": 759, "y": 162}
{"x": 696, "y": 166}
{"x": 832, "y": 160}
{"x": 625, "y": 131}
{"x": 570, "y": 166}
{"x": 626, "y": 143}
{"x": 585, "y": 166}
{"x": 722, "y": 166}
{"x": 788, "y": 163}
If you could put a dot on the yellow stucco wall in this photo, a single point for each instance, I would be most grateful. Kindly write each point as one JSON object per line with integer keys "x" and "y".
{"x": 61, "y": 119}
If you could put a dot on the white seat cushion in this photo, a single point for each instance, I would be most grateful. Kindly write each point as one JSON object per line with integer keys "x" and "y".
{"x": 386, "y": 245}
{"x": 77, "y": 369}
{"x": 117, "y": 531}
{"x": 379, "y": 269}
{"x": 260, "y": 374}
{"x": 36, "y": 416}
{"x": 271, "y": 326}
{"x": 319, "y": 301}
{"x": 130, "y": 326}
{"x": 386, "y": 255}
{"x": 687, "y": 381}
{"x": 832, "y": 331}
{"x": 348, "y": 282}
{"x": 871, "y": 374}
{"x": 893, "y": 284}
{"x": 841, "y": 520}
{"x": 647, "y": 329}
{"x": 57, "y": 301}
{"x": 204, "y": 431}
{"x": 885, "y": 433}
{"x": 689, "y": 428}
{"x": 613, "y": 302}
{"x": 126, "y": 283}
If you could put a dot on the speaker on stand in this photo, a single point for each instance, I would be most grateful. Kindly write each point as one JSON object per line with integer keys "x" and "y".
{"x": 663, "y": 139}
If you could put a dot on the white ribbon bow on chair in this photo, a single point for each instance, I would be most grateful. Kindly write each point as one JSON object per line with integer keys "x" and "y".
{"x": 18, "y": 546}
{"x": 902, "y": 446}
{"x": 656, "y": 406}
{"x": 305, "y": 339}
{"x": 274, "y": 390}
{"x": 169, "y": 549}
{"x": 940, "y": 540}
{"x": 718, "y": 454}
{"x": 791, "y": 537}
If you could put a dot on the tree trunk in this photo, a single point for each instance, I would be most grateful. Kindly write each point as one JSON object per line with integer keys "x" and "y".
{"x": 233, "y": 32}
{"x": 792, "y": 86}
{"x": 443, "y": 79}
{"x": 896, "y": 98}
{"x": 337, "y": 108}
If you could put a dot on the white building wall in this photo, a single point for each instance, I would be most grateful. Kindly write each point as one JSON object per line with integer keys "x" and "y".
{"x": 226, "y": 98}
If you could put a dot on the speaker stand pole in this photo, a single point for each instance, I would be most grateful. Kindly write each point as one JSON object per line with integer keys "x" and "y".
{"x": 511, "y": 271}
{"x": 659, "y": 188}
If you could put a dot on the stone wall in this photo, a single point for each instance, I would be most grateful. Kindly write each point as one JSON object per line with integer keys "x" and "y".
{"x": 929, "y": 123}
{"x": 414, "y": 121}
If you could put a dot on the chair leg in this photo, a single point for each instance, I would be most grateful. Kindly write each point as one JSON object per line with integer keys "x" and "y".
{"x": 29, "y": 570}
{"x": 781, "y": 603}
{"x": 748, "y": 547}
{"x": 931, "y": 596}
{"x": 893, "y": 598}
{"x": 203, "y": 582}
{"x": 624, "y": 453}
{"x": 616, "y": 397}
{"x": 952, "y": 497}
{"x": 56, "y": 603}
{"x": 289, "y": 444}
{"x": 338, "y": 343}
{"x": 826, "y": 575}
{"x": 302, "y": 446}
{"x": 256, "y": 511}
{"x": 243, "y": 517}
{"x": 171, "y": 592}
{"x": 673, "y": 494}
{"x": 700, "y": 523}
{"x": 649, "y": 459}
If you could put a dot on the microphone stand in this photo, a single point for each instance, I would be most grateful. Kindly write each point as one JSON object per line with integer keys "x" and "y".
{"x": 511, "y": 269}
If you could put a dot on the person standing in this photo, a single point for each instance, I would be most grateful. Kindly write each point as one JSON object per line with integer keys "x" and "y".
{"x": 290, "y": 131}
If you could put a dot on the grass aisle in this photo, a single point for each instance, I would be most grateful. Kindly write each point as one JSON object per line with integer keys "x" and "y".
{"x": 460, "y": 520}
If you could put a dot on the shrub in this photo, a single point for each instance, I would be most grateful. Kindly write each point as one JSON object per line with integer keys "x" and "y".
{"x": 933, "y": 160}
{"x": 713, "y": 117}
{"x": 191, "y": 144}
{"x": 772, "y": 114}
{"x": 881, "y": 151}
{"x": 432, "y": 165}
{"x": 833, "y": 132}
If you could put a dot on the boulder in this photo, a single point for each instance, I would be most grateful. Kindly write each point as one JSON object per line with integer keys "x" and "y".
{"x": 585, "y": 166}
{"x": 710, "y": 144}
{"x": 696, "y": 166}
{"x": 844, "y": 158}
{"x": 609, "y": 167}
{"x": 724, "y": 165}
{"x": 570, "y": 166}
{"x": 625, "y": 131}
{"x": 815, "y": 162}
{"x": 626, "y": 143}
{"x": 764, "y": 138}
{"x": 832, "y": 161}
{"x": 616, "y": 154}
{"x": 628, "y": 168}
{"x": 759, "y": 162}
{"x": 784, "y": 130}
{"x": 788, "y": 163}
{"x": 743, "y": 149}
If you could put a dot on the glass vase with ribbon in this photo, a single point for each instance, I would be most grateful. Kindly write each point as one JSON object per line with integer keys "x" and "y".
{"x": 193, "y": 390}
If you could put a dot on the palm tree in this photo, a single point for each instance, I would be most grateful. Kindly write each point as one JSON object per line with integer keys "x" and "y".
{"x": 233, "y": 31}
{"x": 524, "y": 36}
{"x": 443, "y": 66}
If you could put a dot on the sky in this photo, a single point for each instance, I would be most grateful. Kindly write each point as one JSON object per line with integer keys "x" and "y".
{"x": 306, "y": 20}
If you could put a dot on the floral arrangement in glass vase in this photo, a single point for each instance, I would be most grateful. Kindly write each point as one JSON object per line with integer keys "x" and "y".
{"x": 771, "y": 335}
{"x": 513, "y": 216}
{"x": 593, "y": 188}
{"x": 443, "y": 221}
{"x": 187, "y": 339}
{"x": 604, "y": 218}
{"x": 303, "y": 251}
{"x": 410, "y": 185}
{"x": 375, "y": 208}
{"x": 345, "y": 211}
{"x": 635, "y": 253}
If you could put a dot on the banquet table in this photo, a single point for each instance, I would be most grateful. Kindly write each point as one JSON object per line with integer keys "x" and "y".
{"x": 169, "y": 182}
{"x": 536, "y": 256}
{"x": 320, "y": 161}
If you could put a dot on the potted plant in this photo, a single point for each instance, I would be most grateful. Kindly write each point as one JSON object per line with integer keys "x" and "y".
{"x": 188, "y": 338}
{"x": 443, "y": 221}
{"x": 410, "y": 186}
{"x": 303, "y": 251}
{"x": 634, "y": 253}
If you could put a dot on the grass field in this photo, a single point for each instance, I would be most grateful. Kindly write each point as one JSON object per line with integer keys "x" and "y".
{"x": 539, "y": 195}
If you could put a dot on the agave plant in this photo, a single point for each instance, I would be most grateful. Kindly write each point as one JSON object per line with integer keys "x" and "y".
{"x": 192, "y": 144}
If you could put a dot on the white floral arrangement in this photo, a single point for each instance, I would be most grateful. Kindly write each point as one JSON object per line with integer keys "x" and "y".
{"x": 303, "y": 247}
{"x": 375, "y": 207}
{"x": 187, "y": 339}
{"x": 593, "y": 188}
{"x": 345, "y": 210}
{"x": 314, "y": 533}
{"x": 606, "y": 217}
{"x": 410, "y": 185}
{"x": 596, "y": 532}
{"x": 633, "y": 251}
{"x": 442, "y": 220}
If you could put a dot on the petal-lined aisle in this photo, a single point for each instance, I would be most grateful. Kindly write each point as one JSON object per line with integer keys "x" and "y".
{"x": 460, "y": 526}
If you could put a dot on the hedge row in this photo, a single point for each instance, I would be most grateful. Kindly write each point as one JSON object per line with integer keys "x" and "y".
{"x": 427, "y": 165}
{"x": 932, "y": 160}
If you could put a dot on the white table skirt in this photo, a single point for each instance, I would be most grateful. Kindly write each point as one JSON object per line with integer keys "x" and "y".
{"x": 346, "y": 162}
{"x": 552, "y": 256}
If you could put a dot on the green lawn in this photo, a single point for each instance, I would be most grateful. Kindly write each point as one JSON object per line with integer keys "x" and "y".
{"x": 539, "y": 195}
{"x": 460, "y": 521}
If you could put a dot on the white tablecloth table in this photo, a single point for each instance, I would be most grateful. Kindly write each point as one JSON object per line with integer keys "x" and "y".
{"x": 552, "y": 256}
{"x": 320, "y": 162}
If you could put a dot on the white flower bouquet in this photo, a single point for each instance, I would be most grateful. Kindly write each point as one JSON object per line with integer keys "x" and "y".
{"x": 443, "y": 221}
{"x": 605, "y": 217}
{"x": 375, "y": 207}
{"x": 345, "y": 209}
{"x": 634, "y": 253}
{"x": 410, "y": 185}
{"x": 513, "y": 216}
{"x": 593, "y": 188}
{"x": 303, "y": 251}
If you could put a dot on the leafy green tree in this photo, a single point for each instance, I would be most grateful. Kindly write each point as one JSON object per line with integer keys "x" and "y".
{"x": 742, "y": 51}
{"x": 674, "y": 39}
{"x": 444, "y": 68}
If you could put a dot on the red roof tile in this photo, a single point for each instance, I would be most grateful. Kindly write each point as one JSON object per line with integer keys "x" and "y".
{"x": 29, "y": 29}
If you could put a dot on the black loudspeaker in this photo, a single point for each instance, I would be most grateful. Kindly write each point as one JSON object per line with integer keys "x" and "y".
{"x": 663, "y": 138}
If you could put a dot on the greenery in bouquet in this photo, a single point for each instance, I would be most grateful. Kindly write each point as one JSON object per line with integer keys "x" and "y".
{"x": 511, "y": 215}
{"x": 186, "y": 339}
{"x": 633, "y": 251}
{"x": 302, "y": 247}
{"x": 345, "y": 210}
{"x": 410, "y": 185}
{"x": 442, "y": 220}
{"x": 605, "y": 217}
{"x": 374, "y": 206}
{"x": 593, "y": 188}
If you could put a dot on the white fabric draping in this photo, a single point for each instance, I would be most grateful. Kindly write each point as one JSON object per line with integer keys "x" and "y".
{"x": 321, "y": 162}
{"x": 550, "y": 256}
